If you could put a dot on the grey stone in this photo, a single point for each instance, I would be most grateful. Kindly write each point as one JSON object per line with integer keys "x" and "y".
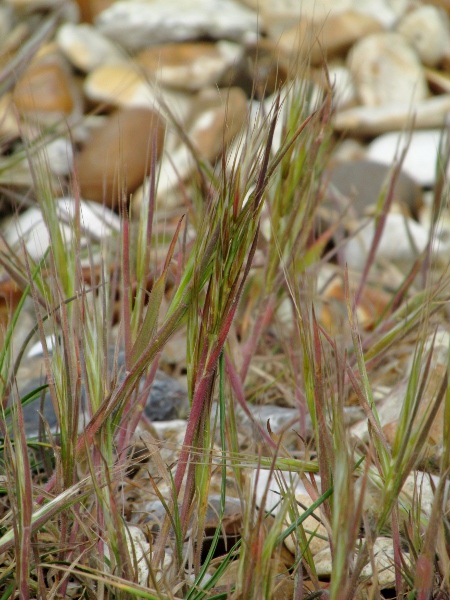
{"x": 362, "y": 181}
{"x": 139, "y": 24}
{"x": 166, "y": 400}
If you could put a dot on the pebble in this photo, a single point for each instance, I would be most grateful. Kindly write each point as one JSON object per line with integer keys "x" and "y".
{"x": 333, "y": 314}
{"x": 427, "y": 30}
{"x": 389, "y": 407}
{"x": 344, "y": 92}
{"x": 387, "y": 12}
{"x": 231, "y": 523}
{"x": 46, "y": 90}
{"x": 363, "y": 181}
{"x": 316, "y": 40}
{"x": 417, "y": 493}
{"x": 86, "y": 48}
{"x": 59, "y": 157}
{"x": 190, "y": 66}
{"x": 206, "y": 133}
{"x": 9, "y": 124}
{"x": 140, "y": 553}
{"x": 263, "y": 481}
{"x": 137, "y": 25}
{"x": 118, "y": 154}
{"x": 167, "y": 400}
{"x": 373, "y": 120}
{"x": 402, "y": 240}
{"x": 387, "y": 71}
{"x": 311, "y": 526}
{"x": 220, "y": 117}
{"x": 439, "y": 81}
{"x": 124, "y": 86}
{"x": 383, "y": 553}
{"x": 291, "y": 9}
{"x": 30, "y": 227}
{"x": 422, "y": 151}
{"x": 175, "y": 168}
{"x": 389, "y": 415}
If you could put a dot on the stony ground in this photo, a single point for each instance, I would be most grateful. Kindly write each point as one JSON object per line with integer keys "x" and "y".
{"x": 117, "y": 85}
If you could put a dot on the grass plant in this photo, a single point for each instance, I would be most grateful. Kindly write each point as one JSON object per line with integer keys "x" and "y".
{"x": 256, "y": 251}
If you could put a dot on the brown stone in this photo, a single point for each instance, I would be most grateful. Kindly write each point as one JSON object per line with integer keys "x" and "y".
{"x": 333, "y": 36}
{"x": 89, "y": 9}
{"x": 9, "y": 126}
{"x": 333, "y": 312}
{"x": 118, "y": 154}
{"x": 125, "y": 85}
{"x": 189, "y": 66}
{"x": 44, "y": 88}
{"x": 219, "y": 122}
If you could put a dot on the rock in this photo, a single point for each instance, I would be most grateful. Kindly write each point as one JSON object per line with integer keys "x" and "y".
{"x": 373, "y": 120}
{"x": 316, "y": 40}
{"x": 333, "y": 314}
{"x": 137, "y": 25}
{"x": 263, "y": 482}
{"x": 175, "y": 167}
{"x": 118, "y": 154}
{"x": 232, "y": 521}
{"x": 124, "y": 86}
{"x": 9, "y": 123}
{"x": 190, "y": 66}
{"x": 283, "y": 421}
{"x": 220, "y": 117}
{"x": 286, "y": 11}
{"x": 59, "y": 157}
{"x": 311, "y": 525}
{"x": 89, "y": 9}
{"x": 344, "y": 92}
{"x": 427, "y": 30}
{"x": 387, "y": 12}
{"x": 140, "y": 553}
{"x": 383, "y": 552}
{"x": 46, "y": 91}
{"x": 97, "y": 222}
{"x": 389, "y": 408}
{"x": 422, "y": 152}
{"x": 86, "y": 47}
{"x": 390, "y": 411}
{"x": 401, "y": 242}
{"x": 439, "y": 81}
{"x": 386, "y": 70}
{"x": 363, "y": 181}
{"x": 416, "y": 494}
{"x": 167, "y": 400}
{"x": 443, "y": 4}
